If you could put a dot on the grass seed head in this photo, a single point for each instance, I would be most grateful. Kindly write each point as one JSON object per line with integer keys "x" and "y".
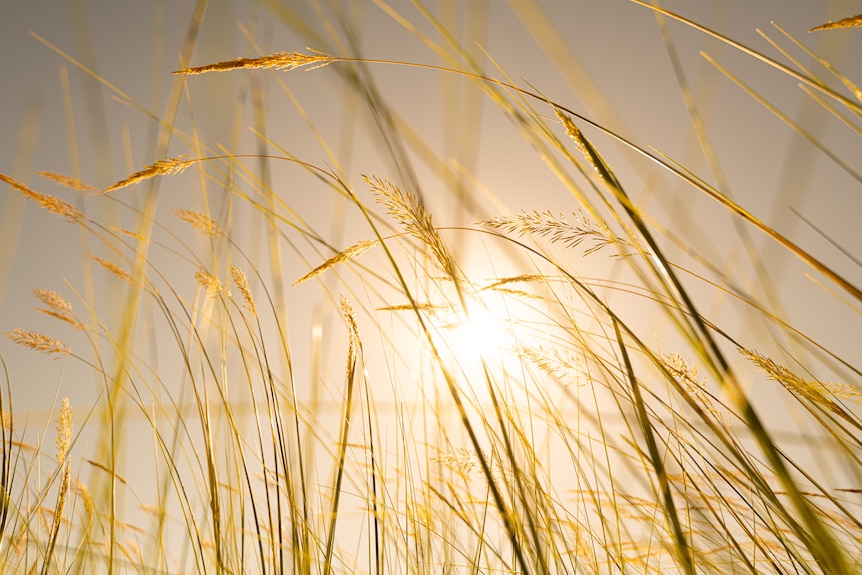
{"x": 200, "y": 222}
{"x": 38, "y": 342}
{"x": 68, "y": 182}
{"x": 212, "y": 284}
{"x": 52, "y": 204}
{"x": 167, "y": 167}
{"x": 241, "y": 283}
{"x": 341, "y": 257}
{"x": 849, "y": 22}
{"x": 278, "y": 60}
{"x": 113, "y": 268}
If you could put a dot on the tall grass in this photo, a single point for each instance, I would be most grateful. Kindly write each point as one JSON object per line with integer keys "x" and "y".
{"x": 573, "y": 410}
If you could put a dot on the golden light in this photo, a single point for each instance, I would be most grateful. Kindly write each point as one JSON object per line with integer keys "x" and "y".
{"x": 481, "y": 335}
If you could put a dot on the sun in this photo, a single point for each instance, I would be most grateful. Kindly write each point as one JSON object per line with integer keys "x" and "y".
{"x": 480, "y": 333}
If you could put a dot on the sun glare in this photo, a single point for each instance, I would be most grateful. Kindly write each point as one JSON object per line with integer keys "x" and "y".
{"x": 481, "y": 335}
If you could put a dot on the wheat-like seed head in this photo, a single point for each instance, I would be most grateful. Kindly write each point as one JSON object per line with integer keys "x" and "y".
{"x": 278, "y": 60}
{"x": 341, "y": 257}
{"x": 129, "y": 233}
{"x": 52, "y": 204}
{"x": 68, "y": 182}
{"x": 64, "y": 442}
{"x": 409, "y": 212}
{"x": 559, "y": 363}
{"x": 516, "y": 279}
{"x": 200, "y": 222}
{"x": 811, "y": 390}
{"x": 558, "y": 230}
{"x": 423, "y": 306}
{"x": 113, "y": 268}
{"x": 212, "y": 283}
{"x": 589, "y": 152}
{"x": 58, "y": 307}
{"x": 685, "y": 373}
{"x": 849, "y": 22}
{"x": 38, "y": 342}
{"x": 71, "y": 320}
{"x": 460, "y": 459}
{"x": 84, "y": 493}
{"x": 64, "y": 430}
{"x": 166, "y": 167}
{"x": 349, "y": 315}
{"x": 843, "y": 390}
{"x": 53, "y": 300}
{"x": 241, "y": 283}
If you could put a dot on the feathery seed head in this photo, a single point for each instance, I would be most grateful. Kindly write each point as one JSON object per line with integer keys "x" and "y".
{"x": 241, "y": 283}
{"x": 849, "y": 22}
{"x": 64, "y": 430}
{"x": 278, "y": 60}
{"x": 52, "y": 204}
{"x": 166, "y": 167}
{"x": 38, "y": 342}
{"x": 212, "y": 283}
{"x": 67, "y": 182}
{"x": 200, "y": 222}
{"x": 341, "y": 257}
{"x": 113, "y": 268}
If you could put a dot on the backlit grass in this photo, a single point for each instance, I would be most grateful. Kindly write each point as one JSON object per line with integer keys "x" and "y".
{"x": 531, "y": 392}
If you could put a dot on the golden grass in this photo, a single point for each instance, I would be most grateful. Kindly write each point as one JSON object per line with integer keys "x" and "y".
{"x": 67, "y": 181}
{"x": 166, "y": 167}
{"x": 281, "y": 441}
{"x": 48, "y": 202}
{"x": 341, "y": 257}
{"x": 201, "y": 222}
{"x": 278, "y": 61}
{"x": 849, "y": 22}
{"x": 38, "y": 342}
{"x": 113, "y": 268}
{"x": 241, "y": 283}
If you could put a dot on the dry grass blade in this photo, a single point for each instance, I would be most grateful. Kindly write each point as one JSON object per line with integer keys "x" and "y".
{"x": 68, "y": 182}
{"x": 278, "y": 60}
{"x": 49, "y": 202}
{"x": 241, "y": 283}
{"x": 167, "y": 167}
{"x": 38, "y": 342}
{"x": 341, "y": 257}
{"x": 849, "y": 22}
{"x": 200, "y": 222}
